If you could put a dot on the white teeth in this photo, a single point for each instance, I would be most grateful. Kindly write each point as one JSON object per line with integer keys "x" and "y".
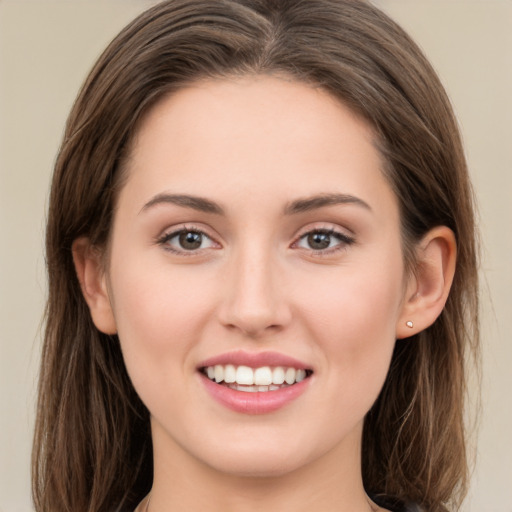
{"x": 229, "y": 373}
{"x": 265, "y": 378}
{"x": 289, "y": 375}
{"x": 301, "y": 375}
{"x": 253, "y": 389}
{"x": 219, "y": 373}
{"x": 247, "y": 389}
{"x": 278, "y": 375}
{"x": 245, "y": 375}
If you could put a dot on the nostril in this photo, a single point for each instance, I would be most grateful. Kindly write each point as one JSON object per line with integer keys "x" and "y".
{"x": 253, "y": 326}
{"x": 253, "y": 302}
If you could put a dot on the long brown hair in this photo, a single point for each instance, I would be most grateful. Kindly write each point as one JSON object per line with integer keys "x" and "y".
{"x": 92, "y": 449}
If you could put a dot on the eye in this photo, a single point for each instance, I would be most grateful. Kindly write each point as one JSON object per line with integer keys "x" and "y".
{"x": 323, "y": 240}
{"x": 186, "y": 240}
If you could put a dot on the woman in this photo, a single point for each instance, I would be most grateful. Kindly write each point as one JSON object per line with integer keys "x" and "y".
{"x": 262, "y": 270}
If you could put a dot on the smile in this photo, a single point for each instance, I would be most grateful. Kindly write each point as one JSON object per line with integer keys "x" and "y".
{"x": 251, "y": 380}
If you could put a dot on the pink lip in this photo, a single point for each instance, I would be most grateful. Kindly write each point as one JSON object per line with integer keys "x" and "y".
{"x": 254, "y": 360}
{"x": 259, "y": 402}
{"x": 262, "y": 402}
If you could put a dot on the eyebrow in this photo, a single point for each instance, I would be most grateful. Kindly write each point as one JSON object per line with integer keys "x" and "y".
{"x": 196, "y": 203}
{"x": 298, "y": 206}
{"x": 321, "y": 200}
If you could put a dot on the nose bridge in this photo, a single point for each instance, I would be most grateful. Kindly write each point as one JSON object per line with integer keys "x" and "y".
{"x": 255, "y": 300}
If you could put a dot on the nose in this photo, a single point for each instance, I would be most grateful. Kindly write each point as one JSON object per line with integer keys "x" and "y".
{"x": 254, "y": 297}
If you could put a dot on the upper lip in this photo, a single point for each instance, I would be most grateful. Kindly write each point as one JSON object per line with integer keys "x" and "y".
{"x": 255, "y": 360}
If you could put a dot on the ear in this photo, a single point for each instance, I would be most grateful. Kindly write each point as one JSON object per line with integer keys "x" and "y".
{"x": 91, "y": 275}
{"x": 428, "y": 287}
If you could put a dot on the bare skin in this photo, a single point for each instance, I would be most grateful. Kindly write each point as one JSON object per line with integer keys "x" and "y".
{"x": 294, "y": 247}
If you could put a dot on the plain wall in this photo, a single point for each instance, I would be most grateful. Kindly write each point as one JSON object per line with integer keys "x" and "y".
{"x": 46, "y": 49}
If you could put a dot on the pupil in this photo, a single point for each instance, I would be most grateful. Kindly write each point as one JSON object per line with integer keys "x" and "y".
{"x": 319, "y": 240}
{"x": 190, "y": 240}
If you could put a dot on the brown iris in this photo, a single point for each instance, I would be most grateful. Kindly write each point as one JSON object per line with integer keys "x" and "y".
{"x": 190, "y": 240}
{"x": 319, "y": 240}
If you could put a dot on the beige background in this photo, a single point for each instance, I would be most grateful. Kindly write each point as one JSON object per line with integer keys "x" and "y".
{"x": 46, "y": 48}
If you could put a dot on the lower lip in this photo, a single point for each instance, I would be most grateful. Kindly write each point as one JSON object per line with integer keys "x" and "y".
{"x": 260, "y": 402}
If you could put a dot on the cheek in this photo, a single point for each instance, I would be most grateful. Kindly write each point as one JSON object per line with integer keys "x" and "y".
{"x": 160, "y": 313}
{"x": 354, "y": 315}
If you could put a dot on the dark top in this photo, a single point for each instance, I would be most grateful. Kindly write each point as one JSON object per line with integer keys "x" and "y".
{"x": 395, "y": 506}
{"x": 412, "y": 508}
{"x": 409, "y": 507}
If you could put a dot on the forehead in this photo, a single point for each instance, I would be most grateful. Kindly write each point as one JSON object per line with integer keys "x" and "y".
{"x": 268, "y": 135}
{"x": 252, "y": 106}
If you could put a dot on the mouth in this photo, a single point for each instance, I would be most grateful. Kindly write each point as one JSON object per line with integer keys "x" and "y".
{"x": 253, "y": 380}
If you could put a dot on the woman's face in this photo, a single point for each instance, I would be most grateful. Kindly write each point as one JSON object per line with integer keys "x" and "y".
{"x": 256, "y": 238}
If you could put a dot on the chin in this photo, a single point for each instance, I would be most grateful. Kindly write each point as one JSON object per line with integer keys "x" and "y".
{"x": 257, "y": 467}
{"x": 258, "y": 459}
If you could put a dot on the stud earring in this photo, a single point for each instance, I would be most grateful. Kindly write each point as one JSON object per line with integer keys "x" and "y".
{"x": 409, "y": 324}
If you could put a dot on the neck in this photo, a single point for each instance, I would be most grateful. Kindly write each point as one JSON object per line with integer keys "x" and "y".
{"x": 331, "y": 483}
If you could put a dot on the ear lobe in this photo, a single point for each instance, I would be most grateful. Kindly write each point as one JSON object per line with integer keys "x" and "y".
{"x": 428, "y": 288}
{"x": 92, "y": 278}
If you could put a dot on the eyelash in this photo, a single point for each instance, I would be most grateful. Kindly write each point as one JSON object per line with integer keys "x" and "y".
{"x": 166, "y": 237}
{"x": 343, "y": 239}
